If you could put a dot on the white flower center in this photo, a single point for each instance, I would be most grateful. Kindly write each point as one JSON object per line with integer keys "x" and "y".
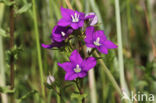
{"x": 75, "y": 17}
{"x": 77, "y": 69}
{"x": 63, "y": 34}
{"x": 97, "y": 42}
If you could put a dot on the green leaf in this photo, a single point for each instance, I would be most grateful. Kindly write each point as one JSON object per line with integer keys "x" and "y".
{"x": 13, "y": 53}
{"x": 6, "y": 90}
{"x": 69, "y": 85}
{"x": 78, "y": 96}
{"x": 7, "y": 2}
{"x": 26, "y": 96}
{"x": 3, "y": 32}
{"x": 24, "y": 9}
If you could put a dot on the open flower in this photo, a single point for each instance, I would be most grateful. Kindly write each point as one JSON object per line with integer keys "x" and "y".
{"x": 97, "y": 39}
{"x": 60, "y": 33}
{"x": 92, "y": 18}
{"x": 77, "y": 67}
{"x": 71, "y": 18}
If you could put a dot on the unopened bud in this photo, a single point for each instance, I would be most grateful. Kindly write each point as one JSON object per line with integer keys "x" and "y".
{"x": 50, "y": 79}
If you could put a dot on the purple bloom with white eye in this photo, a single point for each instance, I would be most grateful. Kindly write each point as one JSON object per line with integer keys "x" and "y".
{"x": 71, "y": 18}
{"x": 60, "y": 33}
{"x": 97, "y": 39}
{"x": 93, "y": 19}
{"x": 53, "y": 44}
{"x": 77, "y": 67}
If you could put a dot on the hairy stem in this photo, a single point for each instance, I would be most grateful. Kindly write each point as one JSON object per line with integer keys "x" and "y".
{"x": 11, "y": 46}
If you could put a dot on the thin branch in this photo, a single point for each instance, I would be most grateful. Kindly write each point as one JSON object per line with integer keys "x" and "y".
{"x": 11, "y": 46}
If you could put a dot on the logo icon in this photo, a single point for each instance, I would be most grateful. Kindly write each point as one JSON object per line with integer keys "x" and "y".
{"x": 125, "y": 96}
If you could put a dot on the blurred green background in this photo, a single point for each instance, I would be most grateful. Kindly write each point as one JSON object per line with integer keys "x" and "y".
{"x": 138, "y": 22}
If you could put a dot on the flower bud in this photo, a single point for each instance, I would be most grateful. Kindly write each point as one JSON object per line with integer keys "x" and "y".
{"x": 50, "y": 79}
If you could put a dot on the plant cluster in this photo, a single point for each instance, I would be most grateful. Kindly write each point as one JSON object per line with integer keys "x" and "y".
{"x": 74, "y": 30}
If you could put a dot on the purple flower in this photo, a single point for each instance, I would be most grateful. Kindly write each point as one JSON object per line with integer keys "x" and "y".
{"x": 77, "y": 67}
{"x": 92, "y": 18}
{"x": 53, "y": 44}
{"x": 61, "y": 33}
{"x": 71, "y": 18}
{"x": 97, "y": 39}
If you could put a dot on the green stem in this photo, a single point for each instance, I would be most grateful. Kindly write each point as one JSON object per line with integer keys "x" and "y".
{"x": 2, "y": 68}
{"x": 110, "y": 76}
{"x": 38, "y": 48}
{"x": 92, "y": 85}
{"x": 91, "y": 77}
{"x": 58, "y": 97}
{"x": 79, "y": 89}
{"x": 120, "y": 53}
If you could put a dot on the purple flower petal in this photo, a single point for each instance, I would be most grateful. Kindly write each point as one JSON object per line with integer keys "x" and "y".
{"x": 67, "y": 66}
{"x": 47, "y": 46}
{"x": 63, "y": 22}
{"x": 53, "y": 44}
{"x": 90, "y": 45}
{"x": 82, "y": 15}
{"x": 69, "y": 31}
{"x": 82, "y": 74}
{"x": 110, "y": 45}
{"x": 89, "y": 35}
{"x": 75, "y": 26}
{"x": 88, "y": 64}
{"x": 77, "y": 68}
{"x": 89, "y": 15}
{"x": 75, "y": 58}
{"x": 66, "y": 13}
{"x": 81, "y": 23}
{"x": 72, "y": 18}
{"x": 98, "y": 40}
{"x": 70, "y": 76}
{"x": 101, "y": 35}
{"x": 103, "y": 49}
{"x": 60, "y": 33}
{"x": 93, "y": 19}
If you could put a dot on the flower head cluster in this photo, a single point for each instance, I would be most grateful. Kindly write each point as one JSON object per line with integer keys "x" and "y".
{"x": 73, "y": 23}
